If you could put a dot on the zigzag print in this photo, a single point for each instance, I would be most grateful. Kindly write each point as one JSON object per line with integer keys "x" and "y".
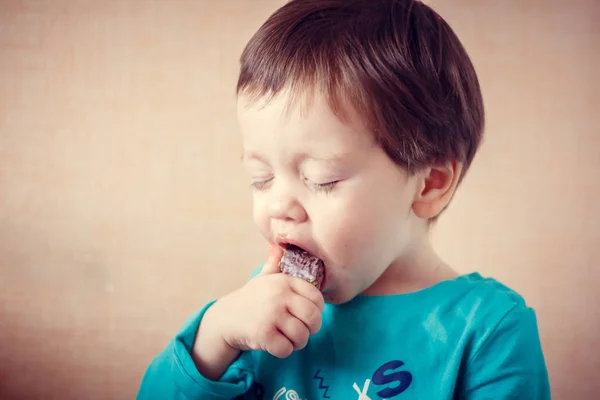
{"x": 321, "y": 385}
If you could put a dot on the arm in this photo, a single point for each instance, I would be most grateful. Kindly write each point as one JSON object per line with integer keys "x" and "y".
{"x": 509, "y": 363}
{"x": 211, "y": 353}
{"x": 173, "y": 374}
{"x": 210, "y": 358}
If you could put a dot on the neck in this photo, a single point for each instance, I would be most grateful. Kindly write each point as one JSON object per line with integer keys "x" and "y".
{"x": 417, "y": 268}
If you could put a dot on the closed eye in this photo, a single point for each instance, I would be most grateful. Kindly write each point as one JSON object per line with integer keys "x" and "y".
{"x": 260, "y": 184}
{"x": 324, "y": 187}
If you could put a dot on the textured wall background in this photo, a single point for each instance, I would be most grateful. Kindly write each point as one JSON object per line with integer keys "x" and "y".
{"x": 123, "y": 206}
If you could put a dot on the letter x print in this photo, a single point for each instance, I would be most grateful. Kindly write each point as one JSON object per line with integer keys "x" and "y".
{"x": 362, "y": 394}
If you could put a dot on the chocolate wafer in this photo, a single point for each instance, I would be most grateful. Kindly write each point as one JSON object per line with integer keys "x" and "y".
{"x": 301, "y": 264}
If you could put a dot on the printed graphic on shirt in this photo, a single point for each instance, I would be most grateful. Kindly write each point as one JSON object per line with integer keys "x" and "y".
{"x": 289, "y": 395}
{"x": 322, "y": 385}
{"x": 388, "y": 375}
{"x": 388, "y": 381}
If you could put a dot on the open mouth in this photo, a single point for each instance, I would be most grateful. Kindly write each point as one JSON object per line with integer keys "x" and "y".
{"x": 299, "y": 262}
{"x": 292, "y": 247}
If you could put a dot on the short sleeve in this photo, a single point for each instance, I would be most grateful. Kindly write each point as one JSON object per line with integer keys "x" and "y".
{"x": 509, "y": 364}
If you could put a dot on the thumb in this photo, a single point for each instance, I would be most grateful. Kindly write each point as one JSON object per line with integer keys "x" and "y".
{"x": 272, "y": 264}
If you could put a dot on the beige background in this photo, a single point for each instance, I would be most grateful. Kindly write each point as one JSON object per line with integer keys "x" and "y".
{"x": 124, "y": 208}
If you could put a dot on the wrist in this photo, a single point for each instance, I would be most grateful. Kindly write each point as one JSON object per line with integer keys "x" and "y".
{"x": 211, "y": 353}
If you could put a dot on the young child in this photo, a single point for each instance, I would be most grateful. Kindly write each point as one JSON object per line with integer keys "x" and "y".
{"x": 359, "y": 120}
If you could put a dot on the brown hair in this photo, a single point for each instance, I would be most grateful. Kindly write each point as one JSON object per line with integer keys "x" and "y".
{"x": 397, "y": 62}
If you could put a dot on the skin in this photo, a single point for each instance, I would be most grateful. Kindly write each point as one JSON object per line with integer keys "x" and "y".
{"x": 325, "y": 185}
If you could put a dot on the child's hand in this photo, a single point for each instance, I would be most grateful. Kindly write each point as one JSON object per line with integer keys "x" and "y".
{"x": 272, "y": 312}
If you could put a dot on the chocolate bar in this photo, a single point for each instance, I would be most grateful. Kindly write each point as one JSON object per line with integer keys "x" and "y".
{"x": 301, "y": 264}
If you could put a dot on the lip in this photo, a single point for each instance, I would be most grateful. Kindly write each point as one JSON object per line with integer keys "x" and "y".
{"x": 284, "y": 243}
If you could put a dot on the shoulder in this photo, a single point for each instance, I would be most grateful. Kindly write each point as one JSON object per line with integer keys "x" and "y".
{"x": 503, "y": 349}
{"x": 491, "y": 315}
{"x": 486, "y": 302}
{"x": 489, "y": 289}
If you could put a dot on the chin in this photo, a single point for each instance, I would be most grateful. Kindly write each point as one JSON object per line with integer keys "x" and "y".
{"x": 336, "y": 298}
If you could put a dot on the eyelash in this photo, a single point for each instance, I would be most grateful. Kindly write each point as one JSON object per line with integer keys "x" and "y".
{"x": 319, "y": 187}
{"x": 259, "y": 185}
{"x": 324, "y": 187}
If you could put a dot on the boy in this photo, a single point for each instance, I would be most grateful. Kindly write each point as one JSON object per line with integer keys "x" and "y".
{"x": 359, "y": 120}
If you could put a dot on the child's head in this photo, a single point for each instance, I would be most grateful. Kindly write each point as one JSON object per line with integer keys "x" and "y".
{"x": 359, "y": 119}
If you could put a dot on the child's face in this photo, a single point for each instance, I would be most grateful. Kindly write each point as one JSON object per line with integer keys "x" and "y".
{"x": 327, "y": 187}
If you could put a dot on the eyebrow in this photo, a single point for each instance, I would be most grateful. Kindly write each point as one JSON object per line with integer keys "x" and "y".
{"x": 301, "y": 156}
{"x": 329, "y": 158}
{"x": 252, "y": 156}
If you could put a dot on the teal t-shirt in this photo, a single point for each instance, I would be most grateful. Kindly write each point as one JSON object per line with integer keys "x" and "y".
{"x": 466, "y": 338}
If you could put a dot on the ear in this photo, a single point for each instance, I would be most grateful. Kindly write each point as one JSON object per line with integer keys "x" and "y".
{"x": 435, "y": 188}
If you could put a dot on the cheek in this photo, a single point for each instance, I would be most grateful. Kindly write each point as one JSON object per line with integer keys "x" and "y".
{"x": 363, "y": 231}
{"x": 260, "y": 216}
{"x": 350, "y": 232}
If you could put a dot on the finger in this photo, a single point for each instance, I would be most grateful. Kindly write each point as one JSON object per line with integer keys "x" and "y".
{"x": 306, "y": 311}
{"x": 272, "y": 264}
{"x": 294, "y": 330}
{"x": 308, "y": 291}
{"x": 278, "y": 344}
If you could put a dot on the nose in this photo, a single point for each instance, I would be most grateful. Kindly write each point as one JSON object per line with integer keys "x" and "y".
{"x": 284, "y": 205}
